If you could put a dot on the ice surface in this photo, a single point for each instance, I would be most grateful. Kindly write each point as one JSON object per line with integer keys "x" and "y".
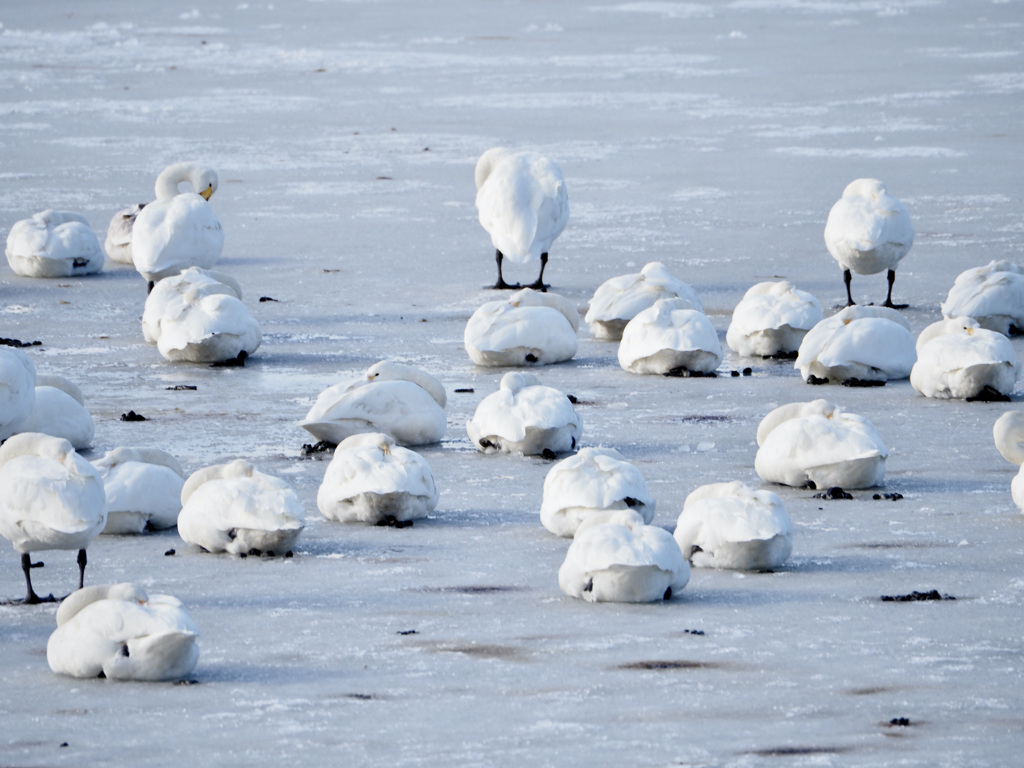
{"x": 713, "y": 137}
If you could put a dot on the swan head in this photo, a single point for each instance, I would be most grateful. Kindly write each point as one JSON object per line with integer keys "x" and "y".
{"x": 202, "y": 178}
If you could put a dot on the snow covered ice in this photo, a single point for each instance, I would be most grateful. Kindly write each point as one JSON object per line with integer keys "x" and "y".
{"x": 712, "y": 137}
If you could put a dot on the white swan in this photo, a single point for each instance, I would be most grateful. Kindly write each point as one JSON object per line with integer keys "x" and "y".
{"x": 59, "y": 411}
{"x": 523, "y": 204}
{"x": 118, "y": 244}
{"x": 772, "y": 319}
{"x": 670, "y": 338}
{"x": 730, "y": 525}
{"x": 868, "y": 231}
{"x": 119, "y": 632}
{"x": 618, "y": 300}
{"x": 17, "y": 389}
{"x": 397, "y": 399}
{"x": 1008, "y": 434}
{"x": 993, "y": 295}
{"x": 623, "y": 561}
{"x": 958, "y": 359}
{"x": 179, "y": 229}
{"x": 857, "y": 345}
{"x": 526, "y": 417}
{"x": 54, "y": 244}
{"x": 528, "y": 327}
{"x": 820, "y": 445}
{"x": 50, "y": 498}
{"x": 373, "y": 480}
{"x": 591, "y": 485}
{"x": 198, "y": 316}
{"x": 143, "y": 489}
{"x": 235, "y": 508}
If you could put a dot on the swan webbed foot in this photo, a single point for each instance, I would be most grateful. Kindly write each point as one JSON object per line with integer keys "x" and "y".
{"x": 390, "y": 521}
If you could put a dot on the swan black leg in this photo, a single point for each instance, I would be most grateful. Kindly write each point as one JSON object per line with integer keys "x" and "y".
{"x": 538, "y": 284}
{"x": 31, "y": 598}
{"x": 81, "y": 568}
{"x": 501, "y": 284}
{"x": 888, "y": 297}
{"x": 847, "y": 277}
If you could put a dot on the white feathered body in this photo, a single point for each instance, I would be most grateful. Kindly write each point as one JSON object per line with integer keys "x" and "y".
{"x": 620, "y": 299}
{"x": 592, "y": 484}
{"x": 54, "y": 244}
{"x": 118, "y": 245}
{"x": 143, "y": 489}
{"x": 772, "y": 319}
{"x": 859, "y": 342}
{"x": 670, "y": 337}
{"x": 59, "y": 411}
{"x": 526, "y": 417}
{"x": 17, "y": 389}
{"x": 235, "y": 508}
{"x": 529, "y": 327}
{"x": 868, "y": 230}
{"x": 993, "y": 295}
{"x": 730, "y": 525}
{"x": 818, "y": 443}
{"x": 958, "y": 359}
{"x": 124, "y": 634}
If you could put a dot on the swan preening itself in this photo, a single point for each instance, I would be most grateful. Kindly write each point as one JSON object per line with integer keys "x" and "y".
{"x": 671, "y": 338}
{"x": 235, "y": 508}
{"x": 958, "y": 359}
{"x": 592, "y": 485}
{"x": 528, "y": 328}
{"x": 1008, "y": 433}
{"x": 993, "y": 295}
{"x": 54, "y": 244}
{"x": 143, "y": 489}
{"x": 857, "y": 345}
{"x": 371, "y": 479}
{"x": 526, "y": 417}
{"x": 118, "y": 631}
{"x": 17, "y": 389}
{"x": 523, "y": 204}
{"x": 119, "y": 234}
{"x": 772, "y": 319}
{"x": 394, "y": 398}
{"x": 622, "y": 560}
{"x": 620, "y": 299}
{"x": 179, "y": 229}
{"x": 820, "y": 445}
{"x": 868, "y": 231}
{"x": 50, "y": 498}
{"x": 730, "y": 525}
{"x": 197, "y": 316}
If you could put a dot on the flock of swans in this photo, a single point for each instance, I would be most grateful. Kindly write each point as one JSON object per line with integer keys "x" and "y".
{"x": 52, "y": 498}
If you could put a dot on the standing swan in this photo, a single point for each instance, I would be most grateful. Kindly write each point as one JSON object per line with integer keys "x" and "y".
{"x": 179, "y": 229}
{"x": 867, "y": 231}
{"x": 523, "y": 205}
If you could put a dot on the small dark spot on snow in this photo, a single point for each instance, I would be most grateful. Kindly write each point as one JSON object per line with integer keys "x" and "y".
{"x": 660, "y": 666}
{"x": 169, "y": 553}
{"x": 916, "y": 596}
{"x": 182, "y": 388}
{"x": 266, "y": 298}
{"x": 132, "y": 416}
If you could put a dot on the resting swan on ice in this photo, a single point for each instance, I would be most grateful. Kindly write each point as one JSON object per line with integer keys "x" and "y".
{"x": 771, "y": 320}
{"x": 958, "y": 359}
{"x": 528, "y": 328}
{"x": 620, "y": 299}
{"x": 143, "y": 489}
{"x": 54, "y": 244}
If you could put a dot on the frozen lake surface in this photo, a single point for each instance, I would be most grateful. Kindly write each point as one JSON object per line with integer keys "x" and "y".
{"x": 713, "y": 137}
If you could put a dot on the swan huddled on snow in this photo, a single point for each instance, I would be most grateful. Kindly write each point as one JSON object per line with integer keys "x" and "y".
{"x": 118, "y": 244}
{"x": 179, "y": 229}
{"x": 523, "y": 204}
{"x": 54, "y": 244}
{"x": 993, "y": 295}
{"x": 197, "y": 316}
{"x": 50, "y": 498}
{"x": 372, "y": 479}
{"x": 120, "y": 632}
{"x": 528, "y": 328}
{"x": 143, "y": 489}
{"x": 622, "y": 560}
{"x": 1008, "y": 434}
{"x": 868, "y": 231}
{"x": 59, "y": 411}
{"x": 394, "y": 398}
{"x": 671, "y": 338}
{"x": 526, "y": 417}
{"x": 819, "y": 444}
{"x": 235, "y": 508}
{"x": 620, "y": 299}
{"x": 958, "y": 359}
{"x": 730, "y": 525}
{"x": 857, "y": 345}
{"x": 772, "y": 319}
{"x": 17, "y": 389}
{"x": 592, "y": 485}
